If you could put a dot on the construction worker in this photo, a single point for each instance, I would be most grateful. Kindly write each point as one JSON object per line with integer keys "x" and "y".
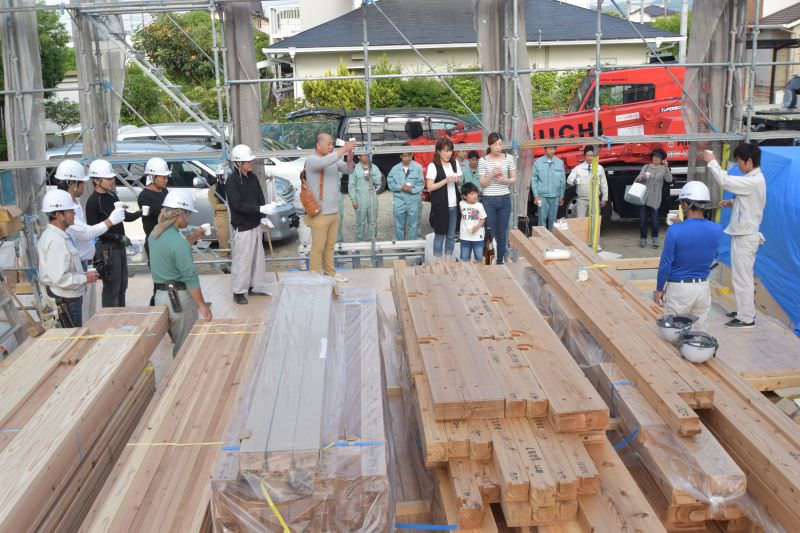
{"x": 470, "y": 169}
{"x": 364, "y": 200}
{"x": 218, "y": 201}
{"x": 548, "y": 184}
{"x": 71, "y": 178}
{"x": 110, "y": 258}
{"x": 689, "y": 251}
{"x": 748, "y": 205}
{"x": 60, "y": 268}
{"x": 406, "y": 182}
{"x": 174, "y": 275}
{"x": 247, "y": 206}
{"x": 581, "y": 176}
{"x": 150, "y": 200}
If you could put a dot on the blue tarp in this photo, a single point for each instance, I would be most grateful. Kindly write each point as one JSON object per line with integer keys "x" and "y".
{"x": 778, "y": 260}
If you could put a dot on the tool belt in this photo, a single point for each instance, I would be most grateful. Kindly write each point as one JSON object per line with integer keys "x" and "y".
{"x": 172, "y": 288}
{"x": 64, "y": 319}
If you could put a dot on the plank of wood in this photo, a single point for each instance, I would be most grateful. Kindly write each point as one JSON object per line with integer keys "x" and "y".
{"x": 604, "y": 327}
{"x": 573, "y": 404}
{"x": 629, "y": 263}
{"x": 480, "y": 442}
{"x": 291, "y": 381}
{"x": 448, "y": 502}
{"x": 464, "y": 386}
{"x": 457, "y": 439}
{"x": 35, "y": 362}
{"x": 435, "y": 440}
{"x": 468, "y": 494}
{"x": 620, "y": 505}
{"x": 566, "y": 482}
{"x": 508, "y": 460}
{"x": 48, "y": 450}
{"x": 537, "y": 465}
{"x": 413, "y": 356}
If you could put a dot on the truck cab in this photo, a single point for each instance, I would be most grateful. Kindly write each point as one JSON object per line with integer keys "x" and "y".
{"x": 633, "y": 103}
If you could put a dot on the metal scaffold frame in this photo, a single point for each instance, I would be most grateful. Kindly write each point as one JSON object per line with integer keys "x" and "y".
{"x": 510, "y": 74}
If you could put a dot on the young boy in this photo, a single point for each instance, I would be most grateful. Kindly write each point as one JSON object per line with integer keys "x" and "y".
{"x": 473, "y": 218}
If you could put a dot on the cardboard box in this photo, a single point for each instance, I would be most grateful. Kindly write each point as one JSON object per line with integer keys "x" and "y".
{"x": 10, "y": 220}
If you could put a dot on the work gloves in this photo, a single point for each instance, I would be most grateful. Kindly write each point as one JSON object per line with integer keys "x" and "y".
{"x": 117, "y": 216}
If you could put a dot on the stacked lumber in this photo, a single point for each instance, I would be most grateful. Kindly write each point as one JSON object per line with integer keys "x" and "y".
{"x": 311, "y": 432}
{"x": 692, "y": 478}
{"x": 541, "y": 457}
{"x": 69, "y": 403}
{"x": 161, "y": 480}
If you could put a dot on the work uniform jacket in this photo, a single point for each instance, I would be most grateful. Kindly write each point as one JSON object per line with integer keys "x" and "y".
{"x": 548, "y": 178}
{"x": 581, "y": 176}
{"x": 59, "y": 263}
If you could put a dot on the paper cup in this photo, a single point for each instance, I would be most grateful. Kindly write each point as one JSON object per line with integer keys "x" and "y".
{"x": 206, "y": 229}
{"x": 145, "y": 210}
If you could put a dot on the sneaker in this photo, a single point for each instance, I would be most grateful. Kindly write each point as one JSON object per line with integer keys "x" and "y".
{"x": 738, "y": 324}
{"x": 642, "y": 243}
{"x": 240, "y": 299}
{"x": 732, "y": 314}
{"x": 655, "y": 242}
{"x": 340, "y": 278}
{"x": 251, "y": 292}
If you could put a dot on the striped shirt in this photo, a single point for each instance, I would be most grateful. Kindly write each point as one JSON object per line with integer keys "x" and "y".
{"x": 486, "y": 166}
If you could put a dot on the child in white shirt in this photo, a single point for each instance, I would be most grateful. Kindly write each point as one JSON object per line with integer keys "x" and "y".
{"x": 473, "y": 219}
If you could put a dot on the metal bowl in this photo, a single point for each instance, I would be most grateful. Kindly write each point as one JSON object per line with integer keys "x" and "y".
{"x": 698, "y": 347}
{"x": 672, "y": 326}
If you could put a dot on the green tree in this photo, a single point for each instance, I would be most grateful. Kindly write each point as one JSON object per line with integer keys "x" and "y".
{"x": 672, "y": 24}
{"x": 551, "y": 91}
{"x": 385, "y": 93}
{"x": 62, "y": 112}
{"x": 53, "y": 50}
{"x": 347, "y": 94}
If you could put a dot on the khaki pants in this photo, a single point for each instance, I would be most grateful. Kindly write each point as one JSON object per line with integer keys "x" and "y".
{"x": 223, "y": 230}
{"x": 581, "y": 207}
{"x": 743, "y": 258}
{"x": 324, "y": 230}
{"x": 689, "y": 299}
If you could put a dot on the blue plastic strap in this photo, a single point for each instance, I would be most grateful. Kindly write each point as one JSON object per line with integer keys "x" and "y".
{"x": 627, "y": 439}
{"x": 613, "y": 394}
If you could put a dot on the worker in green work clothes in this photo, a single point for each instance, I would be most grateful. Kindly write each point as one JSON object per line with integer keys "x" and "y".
{"x": 174, "y": 275}
{"x": 406, "y": 182}
{"x": 364, "y": 178}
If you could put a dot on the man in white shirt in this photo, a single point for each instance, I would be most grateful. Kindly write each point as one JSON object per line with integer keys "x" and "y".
{"x": 60, "y": 267}
{"x": 747, "y": 211}
{"x": 581, "y": 176}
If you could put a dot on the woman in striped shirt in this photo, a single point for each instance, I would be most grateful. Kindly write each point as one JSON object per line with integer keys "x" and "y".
{"x": 498, "y": 173}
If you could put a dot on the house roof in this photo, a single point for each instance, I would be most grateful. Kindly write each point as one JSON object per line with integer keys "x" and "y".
{"x": 788, "y": 16}
{"x": 450, "y": 23}
{"x": 656, "y": 11}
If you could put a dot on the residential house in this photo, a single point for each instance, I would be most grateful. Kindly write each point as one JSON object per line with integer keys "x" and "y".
{"x": 558, "y": 35}
{"x": 651, "y": 13}
{"x": 779, "y": 40}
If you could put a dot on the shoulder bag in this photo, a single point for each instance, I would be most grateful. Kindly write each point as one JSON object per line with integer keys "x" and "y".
{"x": 310, "y": 203}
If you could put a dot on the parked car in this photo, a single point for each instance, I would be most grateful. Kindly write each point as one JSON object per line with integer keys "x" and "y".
{"x": 196, "y": 174}
{"x": 390, "y": 127}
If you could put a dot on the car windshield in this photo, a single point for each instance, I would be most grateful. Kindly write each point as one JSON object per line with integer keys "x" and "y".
{"x": 580, "y": 94}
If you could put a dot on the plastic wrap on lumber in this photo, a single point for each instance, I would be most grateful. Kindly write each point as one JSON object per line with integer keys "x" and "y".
{"x": 343, "y": 484}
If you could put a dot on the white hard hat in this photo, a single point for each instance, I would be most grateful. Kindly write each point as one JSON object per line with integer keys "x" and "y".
{"x": 57, "y": 200}
{"x": 71, "y": 170}
{"x": 100, "y": 168}
{"x": 695, "y": 191}
{"x": 180, "y": 199}
{"x": 241, "y": 153}
{"x": 156, "y": 167}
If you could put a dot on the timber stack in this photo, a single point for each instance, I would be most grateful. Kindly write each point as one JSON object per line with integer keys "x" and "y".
{"x": 726, "y": 459}
{"x": 161, "y": 480}
{"x": 70, "y": 399}
{"x": 507, "y": 417}
{"x": 310, "y": 435}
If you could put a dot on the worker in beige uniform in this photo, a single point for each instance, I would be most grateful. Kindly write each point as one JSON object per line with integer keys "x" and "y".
{"x": 750, "y": 192}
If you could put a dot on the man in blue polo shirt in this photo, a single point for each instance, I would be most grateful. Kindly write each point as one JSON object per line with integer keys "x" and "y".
{"x": 689, "y": 251}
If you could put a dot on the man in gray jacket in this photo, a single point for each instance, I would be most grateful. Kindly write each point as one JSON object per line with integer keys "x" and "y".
{"x": 326, "y": 163}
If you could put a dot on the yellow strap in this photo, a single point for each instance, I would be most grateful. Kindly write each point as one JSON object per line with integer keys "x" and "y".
{"x": 726, "y": 155}
{"x": 594, "y": 202}
{"x": 238, "y": 332}
{"x": 274, "y": 508}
